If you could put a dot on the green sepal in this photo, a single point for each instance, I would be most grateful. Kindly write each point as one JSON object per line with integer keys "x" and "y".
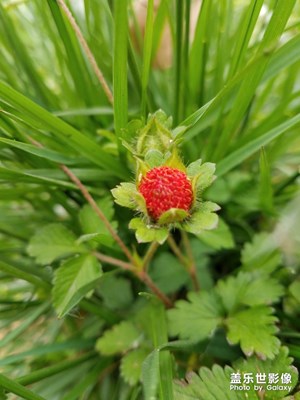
{"x": 173, "y": 215}
{"x": 125, "y": 194}
{"x": 202, "y": 219}
{"x": 148, "y": 233}
{"x": 202, "y": 175}
{"x": 154, "y": 158}
{"x": 156, "y": 134}
{"x": 174, "y": 161}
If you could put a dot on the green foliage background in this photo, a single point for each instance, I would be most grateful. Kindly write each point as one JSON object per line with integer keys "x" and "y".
{"x": 72, "y": 326}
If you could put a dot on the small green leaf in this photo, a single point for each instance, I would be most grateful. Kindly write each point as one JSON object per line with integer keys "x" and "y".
{"x": 125, "y": 194}
{"x": 51, "y": 242}
{"x": 119, "y": 339}
{"x": 202, "y": 219}
{"x": 243, "y": 328}
{"x": 219, "y": 238}
{"x": 173, "y": 215}
{"x": 197, "y": 318}
{"x": 193, "y": 169}
{"x": 131, "y": 366}
{"x": 74, "y": 279}
{"x": 148, "y": 233}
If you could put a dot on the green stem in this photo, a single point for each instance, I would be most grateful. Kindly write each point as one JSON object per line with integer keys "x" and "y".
{"x": 192, "y": 263}
{"x": 149, "y": 254}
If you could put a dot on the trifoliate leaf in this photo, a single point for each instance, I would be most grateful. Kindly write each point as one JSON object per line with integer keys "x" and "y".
{"x": 91, "y": 224}
{"x": 219, "y": 238}
{"x": 148, "y": 233}
{"x": 168, "y": 273}
{"x": 51, "y": 242}
{"x": 73, "y": 280}
{"x": 276, "y": 372}
{"x": 202, "y": 219}
{"x": 219, "y": 383}
{"x": 131, "y": 366}
{"x": 154, "y": 158}
{"x": 172, "y": 215}
{"x": 246, "y": 289}
{"x": 261, "y": 254}
{"x": 125, "y": 194}
{"x": 197, "y": 318}
{"x": 254, "y": 329}
{"x": 119, "y": 339}
{"x": 115, "y": 291}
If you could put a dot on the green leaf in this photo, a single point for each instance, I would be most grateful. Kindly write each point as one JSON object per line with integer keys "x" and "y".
{"x": 73, "y": 280}
{"x": 261, "y": 254}
{"x": 125, "y": 195}
{"x": 294, "y": 289}
{"x": 51, "y": 242}
{"x": 243, "y": 328}
{"x": 91, "y": 224}
{"x": 219, "y": 238}
{"x": 197, "y": 318}
{"x": 246, "y": 289}
{"x": 168, "y": 273}
{"x": 150, "y": 375}
{"x": 131, "y": 366}
{"x": 148, "y": 233}
{"x": 119, "y": 339}
{"x": 202, "y": 219}
{"x": 115, "y": 291}
{"x": 215, "y": 383}
{"x": 154, "y": 158}
{"x": 280, "y": 365}
{"x": 14, "y": 387}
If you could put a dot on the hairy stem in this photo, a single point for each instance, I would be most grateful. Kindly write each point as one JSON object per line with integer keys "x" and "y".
{"x": 144, "y": 277}
{"x": 87, "y": 50}
{"x": 149, "y": 254}
{"x": 176, "y": 250}
{"x": 113, "y": 261}
{"x": 192, "y": 263}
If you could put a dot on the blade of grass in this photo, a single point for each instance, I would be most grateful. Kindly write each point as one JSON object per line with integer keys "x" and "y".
{"x": 120, "y": 69}
{"x": 14, "y": 387}
{"x": 147, "y": 52}
{"x": 265, "y": 183}
{"x": 241, "y": 154}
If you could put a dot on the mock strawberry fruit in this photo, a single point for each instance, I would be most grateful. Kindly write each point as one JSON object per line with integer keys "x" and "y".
{"x": 164, "y": 188}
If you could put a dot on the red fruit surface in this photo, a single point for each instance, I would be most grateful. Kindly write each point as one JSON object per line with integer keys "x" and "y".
{"x": 164, "y": 188}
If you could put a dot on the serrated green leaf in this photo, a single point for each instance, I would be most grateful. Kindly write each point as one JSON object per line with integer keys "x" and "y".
{"x": 91, "y": 224}
{"x": 202, "y": 219}
{"x": 73, "y": 280}
{"x": 219, "y": 238}
{"x": 243, "y": 328}
{"x": 215, "y": 383}
{"x": 131, "y": 366}
{"x": 148, "y": 233}
{"x": 51, "y": 242}
{"x": 197, "y": 318}
{"x": 115, "y": 291}
{"x": 119, "y": 339}
{"x": 246, "y": 289}
{"x": 281, "y": 364}
{"x": 125, "y": 195}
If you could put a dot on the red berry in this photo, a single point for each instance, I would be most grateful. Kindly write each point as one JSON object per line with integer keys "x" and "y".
{"x": 164, "y": 188}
